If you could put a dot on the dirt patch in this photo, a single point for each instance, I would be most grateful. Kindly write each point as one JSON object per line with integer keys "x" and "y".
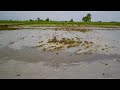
{"x": 7, "y": 27}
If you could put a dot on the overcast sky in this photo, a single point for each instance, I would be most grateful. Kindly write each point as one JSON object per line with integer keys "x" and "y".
{"x": 60, "y": 15}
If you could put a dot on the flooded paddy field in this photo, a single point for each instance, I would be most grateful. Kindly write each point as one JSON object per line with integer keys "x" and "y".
{"x": 57, "y": 53}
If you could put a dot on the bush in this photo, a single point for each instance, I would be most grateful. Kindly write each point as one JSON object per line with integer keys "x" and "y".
{"x": 47, "y": 19}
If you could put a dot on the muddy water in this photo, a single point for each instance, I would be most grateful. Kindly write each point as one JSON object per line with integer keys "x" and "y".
{"x": 31, "y": 38}
{"x": 20, "y": 58}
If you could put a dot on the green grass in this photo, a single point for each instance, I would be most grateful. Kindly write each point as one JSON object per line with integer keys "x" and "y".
{"x": 56, "y": 23}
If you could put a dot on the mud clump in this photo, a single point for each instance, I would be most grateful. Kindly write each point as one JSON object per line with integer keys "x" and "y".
{"x": 64, "y": 41}
{"x": 55, "y": 44}
{"x": 54, "y": 40}
{"x": 87, "y": 44}
{"x": 105, "y": 49}
{"x": 44, "y": 49}
{"x": 58, "y": 48}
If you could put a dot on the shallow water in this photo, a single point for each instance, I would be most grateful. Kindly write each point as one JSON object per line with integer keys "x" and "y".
{"x": 18, "y": 49}
{"x": 31, "y": 38}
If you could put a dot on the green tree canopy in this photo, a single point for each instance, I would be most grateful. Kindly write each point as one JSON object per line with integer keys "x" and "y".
{"x": 87, "y": 18}
{"x": 38, "y": 19}
{"x": 47, "y": 19}
{"x": 71, "y": 20}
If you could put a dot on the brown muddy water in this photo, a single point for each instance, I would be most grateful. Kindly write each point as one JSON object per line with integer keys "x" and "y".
{"x": 59, "y": 54}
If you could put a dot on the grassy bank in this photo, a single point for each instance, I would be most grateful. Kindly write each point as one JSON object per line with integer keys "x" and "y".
{"x": 4, "y": 24}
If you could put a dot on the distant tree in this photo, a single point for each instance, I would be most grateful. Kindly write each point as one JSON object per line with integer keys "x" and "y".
{"x": 71, "y": 20}
{"x": 31, "y": 20}
{"x": 84, "y": 19}
{"x": 87, "y": 18}
{"x": 47, "y": 19}
{"x": 38, "y": 19}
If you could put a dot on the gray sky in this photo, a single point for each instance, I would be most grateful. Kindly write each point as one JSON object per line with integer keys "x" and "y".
{"x": 60, "y": 15}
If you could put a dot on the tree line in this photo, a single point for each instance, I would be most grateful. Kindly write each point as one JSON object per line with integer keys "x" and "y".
{"x": 86, "y": 18}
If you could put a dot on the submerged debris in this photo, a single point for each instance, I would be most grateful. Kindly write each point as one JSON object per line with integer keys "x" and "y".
{"x": 18, "y": 75}
{"x": 57, "y": 53}
{"x": 11, "y": 42}
{"x": 106, "y": 64}
{"x": 103, "y": 49}
{"x": 103, "y": 74}
{"x": 40, "y": 42}
{"x": 23, "y": 38}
